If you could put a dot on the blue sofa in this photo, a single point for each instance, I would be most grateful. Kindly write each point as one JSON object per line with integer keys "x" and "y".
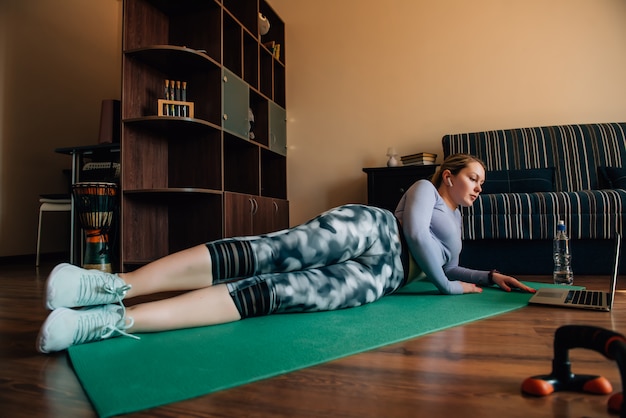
{"x": 536, "y": 176}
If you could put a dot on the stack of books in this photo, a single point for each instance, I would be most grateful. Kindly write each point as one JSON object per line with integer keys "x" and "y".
{"x": 422, "y": 158}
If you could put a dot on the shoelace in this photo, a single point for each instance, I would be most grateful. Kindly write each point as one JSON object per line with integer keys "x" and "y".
{"x": 108, "y": 330}
{"x": 108, "y": 284}
{"x": 89, "y": 284}
{"x": 102, "y": 324}
{"x": 119, "y": 292}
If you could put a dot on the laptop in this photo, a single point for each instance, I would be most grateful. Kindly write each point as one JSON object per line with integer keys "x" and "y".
{"x": 582, "y": 299}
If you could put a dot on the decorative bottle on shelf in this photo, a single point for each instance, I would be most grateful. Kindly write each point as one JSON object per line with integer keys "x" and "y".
{"x": 562, "y": 257}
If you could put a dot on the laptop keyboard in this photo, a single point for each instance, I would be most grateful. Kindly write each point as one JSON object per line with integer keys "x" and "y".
{"x": 584, "y": 297}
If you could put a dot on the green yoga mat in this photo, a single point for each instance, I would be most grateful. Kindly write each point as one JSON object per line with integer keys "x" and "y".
{"x": 123, "y": 375}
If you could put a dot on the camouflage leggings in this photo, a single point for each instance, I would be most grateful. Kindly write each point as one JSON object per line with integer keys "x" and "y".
{"x": 346, "y": 257}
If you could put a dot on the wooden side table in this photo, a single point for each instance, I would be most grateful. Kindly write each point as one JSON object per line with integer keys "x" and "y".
{"x": 386, "y": 185}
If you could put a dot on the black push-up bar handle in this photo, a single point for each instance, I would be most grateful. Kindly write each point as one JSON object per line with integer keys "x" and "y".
{"x": 608, "y": 343}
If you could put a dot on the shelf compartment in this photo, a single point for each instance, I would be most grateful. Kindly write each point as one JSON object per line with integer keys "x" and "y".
{"x": 146, "y": 70}
{"x": 241, "y": 165}
{"x": 266, "y": 77}
{"x": 273, "y": 174}
{"x": 245, "y": 11}
{"x": 233, "y": 45}
{"x": 201, "y": 167}
{"x": 192, "y": 23}
{"x": 280, "y": 95}
{"x": 277, "y": 28}
{"x": 157, "y": 224}
{"x": 154, "y": 149}
{"x": 251, "y": 60}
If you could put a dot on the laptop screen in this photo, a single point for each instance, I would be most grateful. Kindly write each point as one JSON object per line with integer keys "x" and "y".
{"x": 618, "y": 246}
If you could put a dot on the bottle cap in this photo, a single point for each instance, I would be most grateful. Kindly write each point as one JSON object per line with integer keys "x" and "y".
{"x": 561, "y": 226}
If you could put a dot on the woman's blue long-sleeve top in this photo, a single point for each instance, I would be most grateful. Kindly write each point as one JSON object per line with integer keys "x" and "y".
{"x": 433, "y": 234}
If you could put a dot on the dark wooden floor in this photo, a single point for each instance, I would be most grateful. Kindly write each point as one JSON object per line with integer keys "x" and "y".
{"x": 470, "y": 370}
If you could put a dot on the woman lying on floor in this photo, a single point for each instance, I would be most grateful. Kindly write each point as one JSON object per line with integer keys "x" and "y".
{"x": 346, "y": 257}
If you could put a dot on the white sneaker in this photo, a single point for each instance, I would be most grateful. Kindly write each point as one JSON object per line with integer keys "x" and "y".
{"x": 66, "y": 327}
{"x": 70, "y": 286}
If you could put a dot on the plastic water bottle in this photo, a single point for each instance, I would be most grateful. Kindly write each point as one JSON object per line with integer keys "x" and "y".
{"x": 562, "y": 257}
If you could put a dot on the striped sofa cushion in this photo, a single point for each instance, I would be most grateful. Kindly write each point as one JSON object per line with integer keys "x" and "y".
{"x": 575, "y": 152}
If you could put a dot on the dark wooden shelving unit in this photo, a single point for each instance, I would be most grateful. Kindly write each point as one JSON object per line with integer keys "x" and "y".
{"x": 187, "y": 180}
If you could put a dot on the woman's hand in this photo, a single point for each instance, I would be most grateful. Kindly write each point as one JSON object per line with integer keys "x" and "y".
{"x": 471, "y": 288}
{"x": 506, "y": 283}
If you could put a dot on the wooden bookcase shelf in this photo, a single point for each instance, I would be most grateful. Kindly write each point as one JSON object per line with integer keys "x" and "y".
{"x": 174, "y": 190}
{"x": 185, "y": 180}
{"x": 171, "y": 58}
{"x": 164, "y": 123}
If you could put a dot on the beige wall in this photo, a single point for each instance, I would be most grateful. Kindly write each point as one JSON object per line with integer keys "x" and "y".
{"x": 361, "y": 76}
{"x": 365, "y": 75}
{"x": 58, "y": 60}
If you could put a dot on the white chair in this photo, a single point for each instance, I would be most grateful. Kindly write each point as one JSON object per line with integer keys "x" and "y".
{"x": 52, "y": 203}
{"x": 91, "y": 171}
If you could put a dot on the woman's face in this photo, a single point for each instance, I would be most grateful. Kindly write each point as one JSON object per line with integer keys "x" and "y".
{"x": 466, "y": 184}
